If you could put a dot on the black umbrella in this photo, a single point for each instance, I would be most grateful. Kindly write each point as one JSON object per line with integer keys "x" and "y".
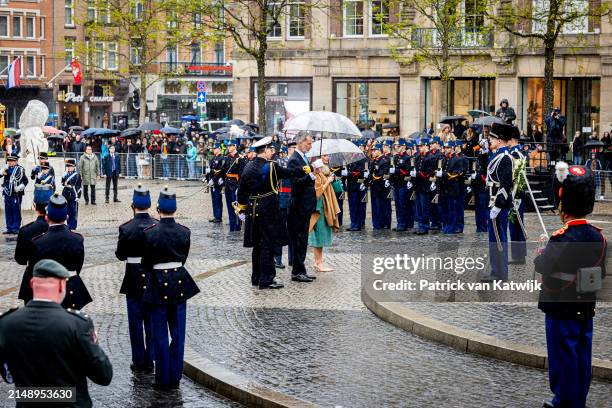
{"x": 477, "y": 113}
{"x": 236, "y": 122}
{"x": 416, "y": 135}
{"x": 488, "y": 121}
{"x": 390, "y": 126}
{"x": 594, "y": 144}
{"x": 76, "y": 128}
{"x": 451, "y": 119}
{"x": 253, "y": 126}
{"x": 150, "y": 126}
{"x": 58, "y": 136}
{"x": 131, "y": 132}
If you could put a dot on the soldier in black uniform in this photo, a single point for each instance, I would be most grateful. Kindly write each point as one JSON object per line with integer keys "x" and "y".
{"x": 130, "y": 248}
{"x": 215, "y": 179}
{"x": 44, "y": 345}
{"x": 356, "y": 191}
{"x": 66, "y": 247}
{"x": 421, "y": 174}
{"x": 25, "y": 248}
{"x": 232, "y": 168}
{"x": 71, "y": 190}
{"x": 168, "y": 287}
{"x": 399, "y": 176}
{"x": 258, "y": 207}
{"x": 43, "y": 158}
{"x": 380, "y": 187}
{"x": 572, "y": 266}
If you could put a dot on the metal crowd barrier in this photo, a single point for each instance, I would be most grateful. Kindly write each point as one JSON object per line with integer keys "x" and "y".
{"x": 177, "y": 167}
{"x": 603, "y": 184}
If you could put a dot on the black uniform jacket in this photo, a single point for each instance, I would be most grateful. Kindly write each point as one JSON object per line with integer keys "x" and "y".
{"x": 263, "y": 224}
{"x": 24, "y": 251}
{"x": 45, "y": 345}
{"x": 577, "y": 245}
{"x": 303, "y": 196}
{"x": 380, "y": 168}
{"x": 132, "y": 244}
{"x": 167, "y": 241}
{"x": 65, "y": 247}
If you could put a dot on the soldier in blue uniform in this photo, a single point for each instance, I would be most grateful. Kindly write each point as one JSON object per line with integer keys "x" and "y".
{"x": 233, "y": 165}
{"x": 465, "y": 165}
{"x": 284, "y": 200}
{"x": 25, "y": 247}
{"x": 477, "y": 184}
{"x": 577, "y": 249}
{"x": 444, "y": 188}
{"x": 130, "y": 248}
{"x": 356, "y": 190}
{"x": 399, "y": 176}
{"x": 35, "y": 174}
{"x": 65, "y": 247}
{"x": 215, "y": 178}
{"x": 380, "y": 187}
{"x": 258, "y": 207}
{"x": 340, "y": 172}
{"x": 518, "y": 246}
{"x": 71, "y": 190}
{"x": 168, "y": 287}
{"x": 421, "y": 175}
{"x": 499, "y": 185}
{"x": 13, "y": 184}
{"x": 436, "y": 156}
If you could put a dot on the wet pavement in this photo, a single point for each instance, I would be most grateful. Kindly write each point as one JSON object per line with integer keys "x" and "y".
{"x": 314, "y": 341}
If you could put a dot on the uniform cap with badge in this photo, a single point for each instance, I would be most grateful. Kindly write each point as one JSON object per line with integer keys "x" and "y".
{"x": 70, "y": 162}
{"x": 166, "y": 202}
{"x": 57, "y": 209}
{"x": 574, "y": 188}
{"x": 12, "y": 157}
{"x": 141, "y": 198}
{"x": 503, "y": 131}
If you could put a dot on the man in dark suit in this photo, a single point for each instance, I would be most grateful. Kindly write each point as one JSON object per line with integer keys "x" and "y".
{"x": 112, "y": 168}
{"x": 44, "y": 345}
{"x": 25, "y": 246}
{"x": 303, "y": 204}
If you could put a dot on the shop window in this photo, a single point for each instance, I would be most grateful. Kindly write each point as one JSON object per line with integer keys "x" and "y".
{"x": 274, "y": 27}
{"x": 296, "y": 20}
{"x": 379, "y": 17}
{"x": 364, "y": 101}
{"x": 283, "y": 100}
{"x": 353, "y": 18}
{"x": 3, "y": 26}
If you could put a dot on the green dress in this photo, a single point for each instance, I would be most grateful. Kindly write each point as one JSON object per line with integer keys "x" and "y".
{"x": 321, "y": 235}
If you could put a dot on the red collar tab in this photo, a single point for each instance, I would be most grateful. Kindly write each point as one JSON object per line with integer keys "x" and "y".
{"x": 580, "y": 221}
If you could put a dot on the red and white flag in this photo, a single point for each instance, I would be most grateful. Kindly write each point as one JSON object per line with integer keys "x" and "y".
{"x": 75, "y": 67}
{"x": 14, "y": 74}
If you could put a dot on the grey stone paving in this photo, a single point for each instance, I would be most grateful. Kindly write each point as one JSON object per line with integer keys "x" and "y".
{"x": 326, "y": 347}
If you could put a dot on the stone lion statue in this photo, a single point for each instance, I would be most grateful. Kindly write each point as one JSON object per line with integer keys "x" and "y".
{"x": 31, "y": 122}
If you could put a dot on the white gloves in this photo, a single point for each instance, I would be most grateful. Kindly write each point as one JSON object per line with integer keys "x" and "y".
{"x": 438, "y": 173}
{"x": 242, "y": 217}
{"x": 312, "y": 176}
{"x": 387, "y": 184}
{"x": 473, "y": 176}
{"x": 517, "y": 203}
{"x": 468, "y": 189}
{"x": 366, "y": 174}
{"x": 432, "y": 187}
{"x": 494, "y": 212}
{"x": 362, "y": 187}
{"x": 20, "y": 188}
{"x": 409, "y": 185}
{"x": 344, "y": 173}
{"x": 211, "y": 183}
{"x": 220, "y": 182}
{"x": 413, "y": 173}
{"x": 207, "y": 170}
{"x": 392, "y": 170}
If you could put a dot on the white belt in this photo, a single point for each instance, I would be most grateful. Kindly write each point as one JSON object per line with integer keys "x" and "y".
{"x": 568, "y": 277}
{"x": 167, "y": 265}
{"x": 133, "y": 259}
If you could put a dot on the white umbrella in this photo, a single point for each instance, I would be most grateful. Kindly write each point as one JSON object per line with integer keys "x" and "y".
{"x": 340, "y": 151}
{"x": 330, "y": 124}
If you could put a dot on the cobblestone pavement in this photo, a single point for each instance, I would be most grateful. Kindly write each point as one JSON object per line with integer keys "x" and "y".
{"x": 314, "y": 341}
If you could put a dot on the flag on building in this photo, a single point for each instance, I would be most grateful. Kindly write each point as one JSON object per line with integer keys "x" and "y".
{"x": 75, "y": 67}
{"x": 14, "y": 73}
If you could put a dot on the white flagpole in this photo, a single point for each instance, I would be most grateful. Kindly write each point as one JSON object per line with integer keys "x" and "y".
{"x": 58, "y": 74}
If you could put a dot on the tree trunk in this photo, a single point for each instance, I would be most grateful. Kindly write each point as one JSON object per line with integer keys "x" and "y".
{"x": 444, "y": 97}
{"x": 142, "y": 114}
{"x": 261, "y": 94}
{"x": 549, "y": 77}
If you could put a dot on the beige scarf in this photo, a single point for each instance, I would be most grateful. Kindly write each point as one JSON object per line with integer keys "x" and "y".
{"x": 331, "y": 209}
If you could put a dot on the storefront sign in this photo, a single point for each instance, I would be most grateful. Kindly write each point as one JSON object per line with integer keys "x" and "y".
{"x": 72, "y": 97}
{"x": 101, "y": 98}
{"x": 586, "y": 130}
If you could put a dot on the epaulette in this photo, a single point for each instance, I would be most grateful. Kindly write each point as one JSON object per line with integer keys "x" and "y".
{"x": 38, "y": 236}
{"x": 76, "y": 233}
{"x": 8, "y": 312}
{"x": 78, "y": 313}
{"x": 559, "y": 232}
{"x": 150, "y": 226}
{"x": 181, "y": 225}
{"x": 125, "y": 223}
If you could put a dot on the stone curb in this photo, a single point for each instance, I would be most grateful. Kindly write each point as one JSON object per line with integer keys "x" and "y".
{"x": 235, "y": 387}
{"x": 469, "y": 341}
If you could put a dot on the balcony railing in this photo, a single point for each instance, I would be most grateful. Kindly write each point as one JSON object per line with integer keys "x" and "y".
{"x": 198, "y": 68}
{"x": 430, "y": 38}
